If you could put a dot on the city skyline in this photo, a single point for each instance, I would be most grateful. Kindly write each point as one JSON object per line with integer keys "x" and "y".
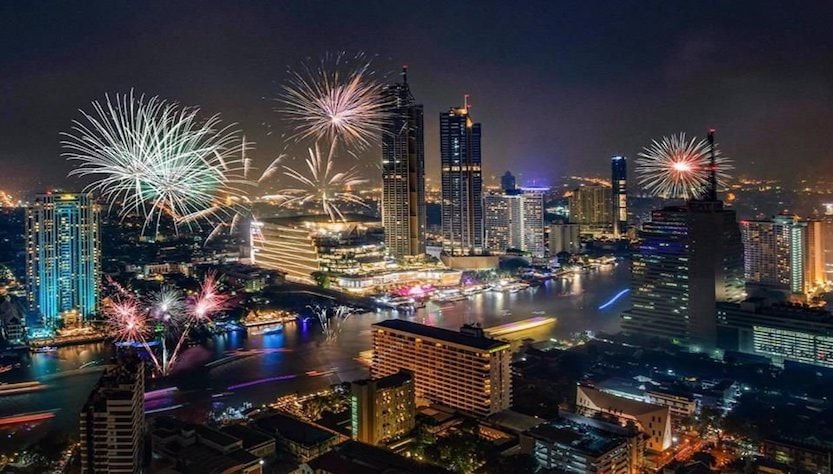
{"x": 586, "y": 79}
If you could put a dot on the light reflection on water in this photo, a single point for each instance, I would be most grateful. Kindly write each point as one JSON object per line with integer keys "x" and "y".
{"x": 300, "y": 349}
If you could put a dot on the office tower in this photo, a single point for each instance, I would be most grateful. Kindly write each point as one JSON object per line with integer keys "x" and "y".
{"x": 113, "y": 421}
{"x": 619, "y": 194}
{"x": 63, "y": 259}
{"x": 780, "y": 331}
{"x": 383, "y": 409}
{"x": 827, "y": 246}
{"x": 507, "y": 182}
{"x": 403, "y": 173}
{"x": 690, "y": 257}
{"x": 590, "y": 208}
{"x": 464, "y": 370}
{"x": 462, "y": 182}
{"x": 564, "y": 238}
{"x": 783, "y": 255}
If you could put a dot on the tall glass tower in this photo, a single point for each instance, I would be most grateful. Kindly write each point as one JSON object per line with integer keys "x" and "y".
{"x": 619, "y": 194}
{"x": 62, "y": 257}
{"x": 403, "y": 173}
{"x": 462, "y": 182}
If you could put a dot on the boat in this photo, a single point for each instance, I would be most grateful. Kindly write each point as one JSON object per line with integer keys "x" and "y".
{"x": 22, "y": 387}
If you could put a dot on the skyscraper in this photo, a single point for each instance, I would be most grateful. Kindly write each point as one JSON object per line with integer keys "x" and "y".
{"x": 62, "y": 256}
{"x": 113, "y": 422}
{"x": 590, "y": 207}
{"x": 783, "y": 254}
{"x": 403, "y": 173}
{"x": 619, "y": 194}
{"x": 514, "y": 220}
{"x": 507, "y": 182}
{"x": 462, "y": 182}
{"x": 564, "y": 238}
{"x": 690, "y": 258}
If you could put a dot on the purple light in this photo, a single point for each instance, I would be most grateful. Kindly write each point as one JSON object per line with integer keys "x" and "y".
{"x": 260, "y": 381}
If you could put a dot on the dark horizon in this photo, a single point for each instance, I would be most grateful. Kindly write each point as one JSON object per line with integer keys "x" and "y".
{"x": 558, "y": 86}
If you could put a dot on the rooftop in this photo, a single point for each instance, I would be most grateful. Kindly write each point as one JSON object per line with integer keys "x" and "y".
{"x": 353, "y": 457}
{"x": 580, "y": 437}
{"x": 627, "y": 406}
{"x": 293, "y": 429}
{"x": 432, "y": 332}
{"x": 251, "y": 437}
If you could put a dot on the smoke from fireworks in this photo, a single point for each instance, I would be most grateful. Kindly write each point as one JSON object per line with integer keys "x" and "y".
{"x": 155, "y": 157}
{"x": 336, "y": 99}
{"x": 675, "y": 167}
{"x": 319, "y": 183}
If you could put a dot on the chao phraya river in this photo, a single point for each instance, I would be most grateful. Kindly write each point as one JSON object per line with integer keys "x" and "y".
{"x": 297, "y": 359}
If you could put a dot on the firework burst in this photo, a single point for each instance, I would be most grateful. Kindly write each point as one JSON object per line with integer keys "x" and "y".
{"x": 132, "y": 320}
{"x": 158, "y": 158}
{"x": 319, "y": 183}
{"x": 677, "y": 168}
{"x": 337, "y": 99}
{"x": 126, "y": 320}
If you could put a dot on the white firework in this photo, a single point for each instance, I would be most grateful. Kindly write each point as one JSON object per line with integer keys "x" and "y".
{"x": 319, "y": 183}
{"x": 337, "y": 99}
{"x": 156, "y": 158}
{"x": 677, "y": 168}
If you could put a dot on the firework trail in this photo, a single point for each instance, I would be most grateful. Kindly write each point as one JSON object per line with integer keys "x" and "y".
{"x": 330, "y": 320}
{"x": 208, "y": 302}
{"x": 156, "y": 157}
{"x": 337, "y": 99}
{"x": 319, "y": 183}
{"x": 675, "y": 167}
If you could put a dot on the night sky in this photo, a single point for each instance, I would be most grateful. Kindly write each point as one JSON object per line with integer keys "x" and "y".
{"x": 558, "y": 86}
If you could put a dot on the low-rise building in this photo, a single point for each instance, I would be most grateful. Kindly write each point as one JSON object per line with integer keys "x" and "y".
{"x": 197, "y": 448}
{"x": 303, "y": 440}
{"x": 801, "y": 455}
{"x": 583, "y": 445}
{"x": 653, "y": 420}
{"x": 355, "y": 457}
{"x": 779, "y": 331}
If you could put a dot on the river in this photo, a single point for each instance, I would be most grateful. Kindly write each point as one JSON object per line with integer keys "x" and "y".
{"x": 298, "y": 359}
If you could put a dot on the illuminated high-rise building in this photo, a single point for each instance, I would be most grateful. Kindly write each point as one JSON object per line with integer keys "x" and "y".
{"x": 590, "y": 208}
{"x": 113, "y": 422}
{"x": 690, "y": 257}
{"x": 619, "y": 194}
{"x": 63, "y": 259}
{"x": 403, "y": 173}
{"x": 464, "y": 370}
{"x": 783, "y": 254}
{"x": 462, "y": 182}
{"x": 383, "y": 408}
{"x": 515, "y": 220}
{"x": 564, "y": 238}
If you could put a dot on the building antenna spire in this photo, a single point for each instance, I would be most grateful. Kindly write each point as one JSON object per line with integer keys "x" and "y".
{"x": 712, "y": 192}
{"x": 466, "y": 102}
{"x": 405, "y": 74}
